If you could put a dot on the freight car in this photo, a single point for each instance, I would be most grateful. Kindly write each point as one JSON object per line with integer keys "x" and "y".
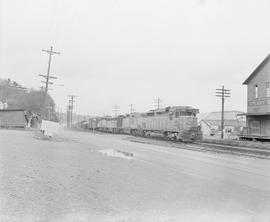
{"x": 176, "y": 123}
{"x": 107, "y": 124}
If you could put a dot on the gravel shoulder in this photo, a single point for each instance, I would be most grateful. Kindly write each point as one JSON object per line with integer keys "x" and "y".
{"x": 88, "y": 177}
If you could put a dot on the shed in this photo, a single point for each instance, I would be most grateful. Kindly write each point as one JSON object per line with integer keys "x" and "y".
{"x": 16, "y": 118}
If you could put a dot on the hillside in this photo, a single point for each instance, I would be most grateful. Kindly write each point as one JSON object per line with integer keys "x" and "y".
{"x": 19, "y": 97}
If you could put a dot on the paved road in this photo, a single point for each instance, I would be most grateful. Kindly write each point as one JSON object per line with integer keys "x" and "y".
{"x": 87, "y": 177}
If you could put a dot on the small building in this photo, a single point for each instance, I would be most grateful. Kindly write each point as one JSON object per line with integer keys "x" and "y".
{"x": 15, "y": 118}
{"x": 258, "y": 102}
{"x": 234, "y": 122}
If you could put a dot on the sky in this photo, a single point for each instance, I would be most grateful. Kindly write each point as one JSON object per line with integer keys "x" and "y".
{"x": 122, "y": 52}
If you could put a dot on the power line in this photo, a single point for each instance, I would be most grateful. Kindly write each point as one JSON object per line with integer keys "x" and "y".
{"x": 223, "y": 93}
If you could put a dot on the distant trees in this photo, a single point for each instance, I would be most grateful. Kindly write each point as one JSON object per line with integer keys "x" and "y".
{"x": 18, "y": 97}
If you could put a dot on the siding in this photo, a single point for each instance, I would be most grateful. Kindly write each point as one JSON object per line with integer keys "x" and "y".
{"x": 12, "y": 118}
{"x": 260, "y": 105}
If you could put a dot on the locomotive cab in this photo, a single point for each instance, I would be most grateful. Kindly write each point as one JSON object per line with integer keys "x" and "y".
{"x": 171, "y": 115}
{"x": 178, "y": 114}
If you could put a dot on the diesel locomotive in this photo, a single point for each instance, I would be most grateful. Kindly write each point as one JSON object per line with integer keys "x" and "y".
{"x": 175, "y": 123}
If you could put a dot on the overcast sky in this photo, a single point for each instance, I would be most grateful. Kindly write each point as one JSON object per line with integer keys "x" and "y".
{"x": 118, "y": 52}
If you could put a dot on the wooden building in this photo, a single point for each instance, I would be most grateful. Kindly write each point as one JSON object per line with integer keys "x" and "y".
{"x": 258, "y": 102}
{"x": 14, "y": 118}
{"x": 234, "y": 122}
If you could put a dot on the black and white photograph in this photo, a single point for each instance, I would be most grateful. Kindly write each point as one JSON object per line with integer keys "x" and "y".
{"x": 134, "y": 111}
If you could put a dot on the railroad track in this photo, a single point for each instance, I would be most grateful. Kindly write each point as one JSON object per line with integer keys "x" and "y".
{"x": 206, "y": 146}
{"x": 248, "y": 151}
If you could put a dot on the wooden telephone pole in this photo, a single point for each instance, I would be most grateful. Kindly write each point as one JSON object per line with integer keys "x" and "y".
{"x": 158, "y": 102}
{"x": 48, "y": 77}
{"x": 115, "y": 109}
{"x": 47, "y": 80}
{"x": 223, "y": 93}
{"x": 70, "y": 109}
{"x": 132, "y": 110}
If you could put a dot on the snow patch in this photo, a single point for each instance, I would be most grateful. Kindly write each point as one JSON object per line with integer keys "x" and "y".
{"x": 117, "y": 153}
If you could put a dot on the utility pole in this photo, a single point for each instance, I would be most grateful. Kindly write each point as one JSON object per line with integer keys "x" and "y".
{"x": 115, "y": 110}
{"x": 131, "y": 109}
{"x": 61, "y": 116}
{"x": 48, "y": 77}
{"x": 49, "y": 108}
{"x": 70, "y": 109}
{"x": 68, "y": 113}
{"x": 158, "y": 102}
{"x": 223, "y": 93}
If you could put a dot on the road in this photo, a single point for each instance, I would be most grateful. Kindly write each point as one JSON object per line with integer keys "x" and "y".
{"x": 82, "y": 176}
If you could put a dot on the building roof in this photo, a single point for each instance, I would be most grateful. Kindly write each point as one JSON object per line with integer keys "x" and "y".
{"x": 11, "y": 110}
{"x": 201, "y": 116}
{"x": 173, "y": 108}
{"x": 228, "y": 115}
{"x": 226, "y": 123}
{"x": 255, "y": 72}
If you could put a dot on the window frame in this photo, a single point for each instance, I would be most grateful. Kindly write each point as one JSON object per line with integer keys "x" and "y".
{"x": 256, "y": 90}
{"x": 267, "y": 89}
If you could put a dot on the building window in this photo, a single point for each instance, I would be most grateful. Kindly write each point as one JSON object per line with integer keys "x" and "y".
{"x": 256, "y": 91}
{"x": 267, "y": 86}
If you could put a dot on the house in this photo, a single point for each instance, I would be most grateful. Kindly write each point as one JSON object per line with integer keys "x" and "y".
{"x": 234, "y": 121}
{"x": 16, "y": 118}
{"x": 258, "y": 102}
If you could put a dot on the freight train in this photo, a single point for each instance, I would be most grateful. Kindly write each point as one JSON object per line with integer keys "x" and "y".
{"x": 175, "y": 123}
